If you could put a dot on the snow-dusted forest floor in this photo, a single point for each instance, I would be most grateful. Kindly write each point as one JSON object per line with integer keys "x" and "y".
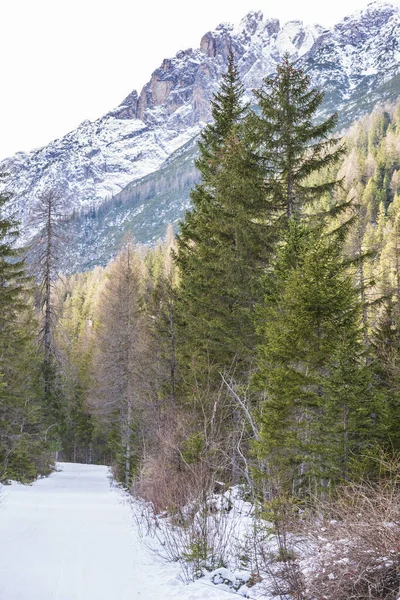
{"x": 71, "y": 536}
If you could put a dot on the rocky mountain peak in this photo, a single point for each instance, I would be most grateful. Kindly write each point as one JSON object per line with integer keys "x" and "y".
{"x": 218, "y": 42}
{"x": 251, "y": 21}
{"x": 352, "y": 62}
{"x": 367, "y": 22}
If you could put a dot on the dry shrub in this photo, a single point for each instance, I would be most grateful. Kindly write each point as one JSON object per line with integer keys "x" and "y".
{"x": 203, "y": 535}
{"x": 166, "y": 480}
{"x": 191, "y": 450}
{"x": 355, "y": 550}
{"x": 168, "y": 487}
{"x": 181, "y": 517}
{"x": 279, "y": 551}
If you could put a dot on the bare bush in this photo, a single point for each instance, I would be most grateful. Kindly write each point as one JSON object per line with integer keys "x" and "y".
{"x": 191, "y": 451}
{"x": 203, "y": 535}
{"x": 278, "y": 546}
{"x": 355, "y": 550}
{"x": 166, "y": 479}
{"x": 167, "y": 487}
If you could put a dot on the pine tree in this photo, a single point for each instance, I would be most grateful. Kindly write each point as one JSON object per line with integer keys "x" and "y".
{"x": 227, "y": 110}
{"x": 385, "y": 335}
{"x": 22, "y": 451}
{"x": 219, "y": 240}
{"x": 292, "y": 146}
{"x": 385, "y": 365}
{"x": 12, "y": 271}
{"x": 162, "y": 306}
{"x": 317, "y": 408}
{"x": 23, "y": 430}
{"x": 312, "y": 368}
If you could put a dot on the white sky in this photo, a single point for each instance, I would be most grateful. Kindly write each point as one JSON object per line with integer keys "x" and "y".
{"x": 64, "y": 61}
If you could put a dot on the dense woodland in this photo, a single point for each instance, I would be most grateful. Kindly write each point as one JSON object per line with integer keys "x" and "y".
{"x": 259, "y": 346}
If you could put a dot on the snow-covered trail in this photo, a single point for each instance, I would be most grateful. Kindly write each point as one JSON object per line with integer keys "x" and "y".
{"x": 71, "y": 537}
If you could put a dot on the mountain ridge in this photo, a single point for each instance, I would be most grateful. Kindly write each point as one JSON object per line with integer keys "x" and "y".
{"x": 357, "y": 62}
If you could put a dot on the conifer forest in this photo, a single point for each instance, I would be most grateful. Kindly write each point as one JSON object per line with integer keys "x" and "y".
{"x": 257, "y": 347}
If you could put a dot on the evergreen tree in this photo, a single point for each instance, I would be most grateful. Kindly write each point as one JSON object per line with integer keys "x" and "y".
{"x": 227, "y": 110}
{"x": 385, "y": 366}
{"x": 311, "y": 367}
{"x": 292, "y": 147}
{"x": 318, "y": 405}
{"x": 256, "y": 174}
{"x": 74, "y": 340}
{"x": 385, "y": 336}
{"x": 22, "y": 451}
{"x": 218, "y": 240}
{"x": 162, "y": 305}
{"x": 23, "y": 431}
{"x": 12, "y": 271}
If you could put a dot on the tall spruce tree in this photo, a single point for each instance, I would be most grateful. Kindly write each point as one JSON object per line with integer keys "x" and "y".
{"x": 385, "y": 366}
{"x": 215, "y": 239}
{"x": 317, "y": 410}
{"x": 162, "y": 306}
{"x": 309, "y": 309}
{"x": 12, "y": 270}
{"x": 22, "y": 452}
{"x": 293, "y": 145}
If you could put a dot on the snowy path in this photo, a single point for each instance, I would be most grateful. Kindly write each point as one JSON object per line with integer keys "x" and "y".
{"x": 69, "y": 537}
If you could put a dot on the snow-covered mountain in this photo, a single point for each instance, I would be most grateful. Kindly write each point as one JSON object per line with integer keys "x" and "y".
{"x": 357, "y": 63}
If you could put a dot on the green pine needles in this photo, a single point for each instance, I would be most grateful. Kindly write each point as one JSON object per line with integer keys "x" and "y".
{"x": 265, "y": 289}
{"x": 22, "y": 452}
{"x": 292, "y": 145}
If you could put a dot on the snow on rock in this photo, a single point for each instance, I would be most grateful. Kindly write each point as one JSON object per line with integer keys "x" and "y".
{"x": 360, "y": 52}
{"x": 228, "y": 580}
{"x": 90, "y": 164}
{"x": 70, "y": 537}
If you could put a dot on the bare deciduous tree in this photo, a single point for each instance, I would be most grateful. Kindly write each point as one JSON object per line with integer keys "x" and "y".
{"x": 45, "y": 253}
{"x": 117, "y": 391}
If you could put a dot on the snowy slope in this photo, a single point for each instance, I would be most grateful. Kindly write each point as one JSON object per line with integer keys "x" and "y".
{"x": 100, "y": 158}
{"x": 357, "y": 63}
{"x": 71, "y": 537}
{"x": 358, "y": 56}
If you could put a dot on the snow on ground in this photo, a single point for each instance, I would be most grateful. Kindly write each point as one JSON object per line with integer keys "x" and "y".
{"x": 71, "y": 537}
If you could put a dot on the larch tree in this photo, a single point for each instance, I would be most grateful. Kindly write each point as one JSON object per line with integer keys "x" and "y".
{"x": 77, "y": 299}
{"x": 118, "y": 378}
{"x": 44, "y": 257}
{"x": 45, "y": 252}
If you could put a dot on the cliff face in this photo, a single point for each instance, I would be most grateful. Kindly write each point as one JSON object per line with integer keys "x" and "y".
{"x": 192, "y": 75}
{"x": 356, "y": 63}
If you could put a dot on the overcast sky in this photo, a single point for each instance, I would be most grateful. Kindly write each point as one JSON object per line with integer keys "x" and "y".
{"x": 64, "y": 61}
